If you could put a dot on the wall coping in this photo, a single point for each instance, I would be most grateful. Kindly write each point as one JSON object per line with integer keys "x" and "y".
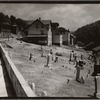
{"x": 24, "y": 85}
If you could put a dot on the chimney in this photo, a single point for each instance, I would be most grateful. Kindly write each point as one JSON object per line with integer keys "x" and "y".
{"x": 39, "y": 18}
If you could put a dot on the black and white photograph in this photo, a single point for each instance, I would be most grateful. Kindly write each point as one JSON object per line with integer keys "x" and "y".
{"x": 49, "y": 50}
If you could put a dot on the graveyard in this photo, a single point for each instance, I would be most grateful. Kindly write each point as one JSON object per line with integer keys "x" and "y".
{"x": 57, "y": 80}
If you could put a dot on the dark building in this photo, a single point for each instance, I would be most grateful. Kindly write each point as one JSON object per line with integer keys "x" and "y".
{"x": 5, "y": 29}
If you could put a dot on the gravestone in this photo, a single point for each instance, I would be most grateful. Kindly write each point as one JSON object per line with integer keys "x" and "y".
{"x": 62, "y": 65}
{"x": 53, "y": 55}
{"x": 42, "y": 54}
{"x": 88, "y": 71}
{"x": 74, "y": 71}
{"x": 43, "y": 94}
{"x": 20, "y": 41}
{"x": 68, "y": 81}
{"x": 72, "y": 58}
{"x": 33, "y": 87}
{"x": 75, "y": 58}
{"x": 56, "y": 59}
{"x": 42, "y": 51}
{"x": 81, "y": 56}
{"x": 87, "y": 75}
{"x": 82, "y": 79}
{"x": 49, "y": 60}
{"x": 96, "y": 61}
{"x": 31, "y": 56}
{"x": 42, "y": 72}
{"x": 78, "y": 69}
{"x": 97, "y": 86}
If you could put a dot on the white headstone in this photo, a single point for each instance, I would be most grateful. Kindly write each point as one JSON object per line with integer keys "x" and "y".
{"x": 33, "y": 87}
{"x": 72, "y": 56}
{"x": 49, "y": 60}
{"x": 97, "y": 86}
{"x": 43, "y": 94}
{"x": 77, "y": 72}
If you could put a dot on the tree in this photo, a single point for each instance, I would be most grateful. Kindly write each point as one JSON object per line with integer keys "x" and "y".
{"x": 13, "y": 19}
{"x": 21, "y": 23}
{"x": 7, "y": 19}
{"x": 80, "y": 44}
{"x": 89, "y": 33}
{"x": 62, "y": 30}
{"x": 54, "y": 25}
{"x": 1, "y": 17}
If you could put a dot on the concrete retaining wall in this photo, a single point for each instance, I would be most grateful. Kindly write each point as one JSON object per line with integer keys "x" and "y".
{"x": 20, "y": 86}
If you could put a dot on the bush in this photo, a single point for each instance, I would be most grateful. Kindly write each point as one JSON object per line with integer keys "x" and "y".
{"x": 58, "y": 54}
{"x": 80, "y": 44}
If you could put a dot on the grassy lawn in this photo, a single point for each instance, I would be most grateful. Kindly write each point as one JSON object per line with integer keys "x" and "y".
{"x": 53, "y": 80}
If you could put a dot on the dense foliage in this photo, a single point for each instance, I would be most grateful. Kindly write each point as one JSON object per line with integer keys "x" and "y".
{"x": 89, "y": 34}
{"x": 12, "y": 20}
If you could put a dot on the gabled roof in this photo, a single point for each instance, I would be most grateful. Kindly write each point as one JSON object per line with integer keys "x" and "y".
{"x": 62, "y": 29}
{"x": 44, "y": 22}
{"x": 28, "y": 22}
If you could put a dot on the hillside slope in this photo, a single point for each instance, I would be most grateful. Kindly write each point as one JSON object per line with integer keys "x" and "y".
{"x": 53, "y": 80}
{"x": 89, "y": 34}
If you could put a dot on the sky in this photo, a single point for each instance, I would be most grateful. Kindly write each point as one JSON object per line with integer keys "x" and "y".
{"x": 69, "y": 16}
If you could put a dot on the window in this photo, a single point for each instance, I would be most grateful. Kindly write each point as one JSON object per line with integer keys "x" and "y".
{"x": 26, "y": 32}
{"x": 37, "y": 26}
{"x": 57, "y": 33}
{"x": 47, "y": 25}
{"x": 42, "y": 32}
{"x": 42, "y": 26}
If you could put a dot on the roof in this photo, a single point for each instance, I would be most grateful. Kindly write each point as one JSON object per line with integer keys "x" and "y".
{"x": 73, "y": 35}
{"x": 63, "y": 29}
{"x": 31, "y": 35}
{"x": 44, "y": 22}
{"x": 28, "y": 22}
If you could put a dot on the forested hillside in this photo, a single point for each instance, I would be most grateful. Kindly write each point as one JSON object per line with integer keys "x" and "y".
{"x": 11, "y": 20}
{"x": 89, "y": 34}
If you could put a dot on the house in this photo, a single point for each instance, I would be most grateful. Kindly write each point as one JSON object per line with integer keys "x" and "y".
{"x": 61, "y": 36}
{"x": 5, "y": 30}
{"x": 45, "y": 32}
{"x": 66, "y": 37}
{"x": 56, "y": 36}
{"x": 38, "y": 31}
{"x": 71, "y": 39}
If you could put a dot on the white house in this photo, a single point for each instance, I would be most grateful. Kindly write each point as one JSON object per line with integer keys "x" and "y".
{"x": 45, "y": 32}
{"x": 39, "y": 31}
